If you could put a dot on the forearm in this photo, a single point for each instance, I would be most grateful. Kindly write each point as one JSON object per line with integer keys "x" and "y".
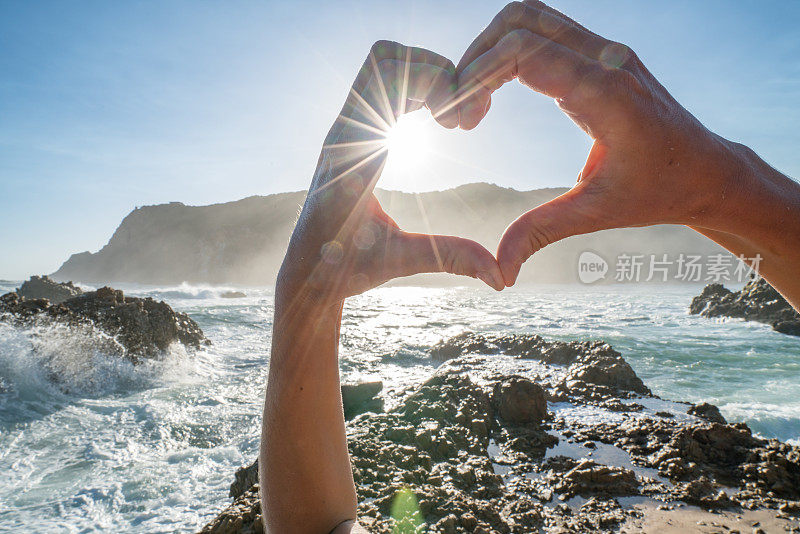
{"x": 760, "y": 215}
{"x": 306, "y": 478}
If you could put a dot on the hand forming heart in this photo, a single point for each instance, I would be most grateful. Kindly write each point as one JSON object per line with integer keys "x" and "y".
{"x": 652, "y": 162}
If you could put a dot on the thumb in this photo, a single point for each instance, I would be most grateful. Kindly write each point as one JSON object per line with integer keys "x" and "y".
{"x": 562, "y": 217}
{"x": 413, "y": 253}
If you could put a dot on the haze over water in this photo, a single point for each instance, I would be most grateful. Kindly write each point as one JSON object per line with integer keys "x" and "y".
{"x": 153, "y": 448}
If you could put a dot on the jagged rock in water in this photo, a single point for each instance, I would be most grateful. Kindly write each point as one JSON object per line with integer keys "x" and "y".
{"x": 728, "y": 455}
{"x": 604, "y": 366}
{"x": 590, "y": 478}
{"x": 435, "y": 441}
{"x": 42, "y": 287}
{"x": 361, "y": 397}
{"x": 707, "y": 411}
{"x": 233, "y": 295}
{"x": 243, "y": 516}
{"x": 757, "y": 301}
{"x": 143, "y": 328}
{"x": 244, "y": 479}
{"x": 475, "y": 467}
{"x": 593, "y": 362}
{"x": 520, "y": 401}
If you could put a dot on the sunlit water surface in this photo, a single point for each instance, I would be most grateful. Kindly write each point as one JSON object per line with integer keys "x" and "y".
{"x": 153, "y": 448}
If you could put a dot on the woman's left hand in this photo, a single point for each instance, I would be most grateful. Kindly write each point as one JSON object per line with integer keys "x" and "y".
{"x": 344, "y": 243}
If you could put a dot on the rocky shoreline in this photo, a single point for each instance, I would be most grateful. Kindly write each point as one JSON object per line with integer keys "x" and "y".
{"x": 756, "y": 301}
{"x": 515, "y": 433}
{"x": 135, "y": 328}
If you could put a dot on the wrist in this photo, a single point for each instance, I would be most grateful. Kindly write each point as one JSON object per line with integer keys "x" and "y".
{"x": 295, "y": 294}
{"x": 303, "y": 331}
{"x": 754, "y": 201}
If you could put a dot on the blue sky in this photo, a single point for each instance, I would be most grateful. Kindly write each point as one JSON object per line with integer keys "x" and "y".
{"x": 108, "y": 105}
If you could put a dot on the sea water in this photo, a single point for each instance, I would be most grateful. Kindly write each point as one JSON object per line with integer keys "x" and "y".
{"x": 91, "y": 443}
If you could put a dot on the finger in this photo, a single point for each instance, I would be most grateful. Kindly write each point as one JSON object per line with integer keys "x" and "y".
{"x": 441, "y": 100}
{"x": 537, "y": 18}
{"x": 387, "y": 95}
{"x": 385, "y": 105}
{"x": 355, "y": 148}
{"x": 382, "y": 50}
{"x": 542, "y": 64}
{"x": 411, "y": 253}
{"x": 399, "y": 81}
{"x": 562, "y": 217}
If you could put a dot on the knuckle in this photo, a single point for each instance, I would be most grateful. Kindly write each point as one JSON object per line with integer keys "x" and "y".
{"x": 518, "y": 39}
{"x": 387, "y": 65}
{"x": 383, "y": 47}
{"x": 513, "y": 12}
{"x": 537, "y": 239}
{"x": 623, "y": 81}
{"x": 615, "y": 55}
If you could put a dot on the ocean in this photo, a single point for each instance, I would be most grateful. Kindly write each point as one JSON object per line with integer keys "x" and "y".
{"x": 89, "y": 443}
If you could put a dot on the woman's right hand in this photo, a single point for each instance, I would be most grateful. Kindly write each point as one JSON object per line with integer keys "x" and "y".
{"x": 651, "y": 162}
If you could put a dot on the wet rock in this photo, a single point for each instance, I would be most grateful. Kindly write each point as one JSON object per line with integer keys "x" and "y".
{"x": 604, "y": 366}
{"x": 707, "y": 411}
{"x": 703, "y": 492}
{"x": 757, "y": 301}
{"x": 592, "y": 362}
{"x": 233, "y": 295}
{"x": 711, "y": 295}
{"x": 727, "y": 455}
{"x": 469, "y": 445}
{"x": 143, "y": 328}
{"x": 244, "y": 479}
{"x": 243, "y": 516}
{"x": 588, "y": 478}
{"x": 361, "y": 397}
{"x": 597, "y": 515}
{"x": 791, "y": 328}
{"x": 42, "y": 287}
{"x": 520, "y": 401}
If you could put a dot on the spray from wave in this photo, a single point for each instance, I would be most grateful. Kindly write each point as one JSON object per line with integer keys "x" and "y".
{"x": 79, "y": 360}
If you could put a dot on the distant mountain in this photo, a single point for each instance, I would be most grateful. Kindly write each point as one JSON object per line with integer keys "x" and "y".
{"x": 243, "y": 242}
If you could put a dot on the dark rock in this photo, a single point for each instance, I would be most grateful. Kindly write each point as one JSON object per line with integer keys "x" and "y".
{"x": 791, "y": 328}
{"x": 520, "y": 402}
{"x": 593, "y": 362}
{"x": 757, "y": 301}
{"x": 244, "y": 479}
{"x": 590, "y": 478}
{"x": 711, "y": 294}
{"x": 704, "y": 492}
{"x": 360, "y": 398}
{"x": 42, "y": 287}
{"x": 143, "y": 328}
{"x": 707, "y": 411}
{"x": 437, "y": 443}
{"x": 604, "y": 366}
{"x": 243, "y": 516}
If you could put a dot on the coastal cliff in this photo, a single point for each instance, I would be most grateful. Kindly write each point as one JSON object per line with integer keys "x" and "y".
{"x": 243, "y": 242}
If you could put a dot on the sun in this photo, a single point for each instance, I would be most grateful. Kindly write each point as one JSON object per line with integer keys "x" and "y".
{"x": 408, "y": 142}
